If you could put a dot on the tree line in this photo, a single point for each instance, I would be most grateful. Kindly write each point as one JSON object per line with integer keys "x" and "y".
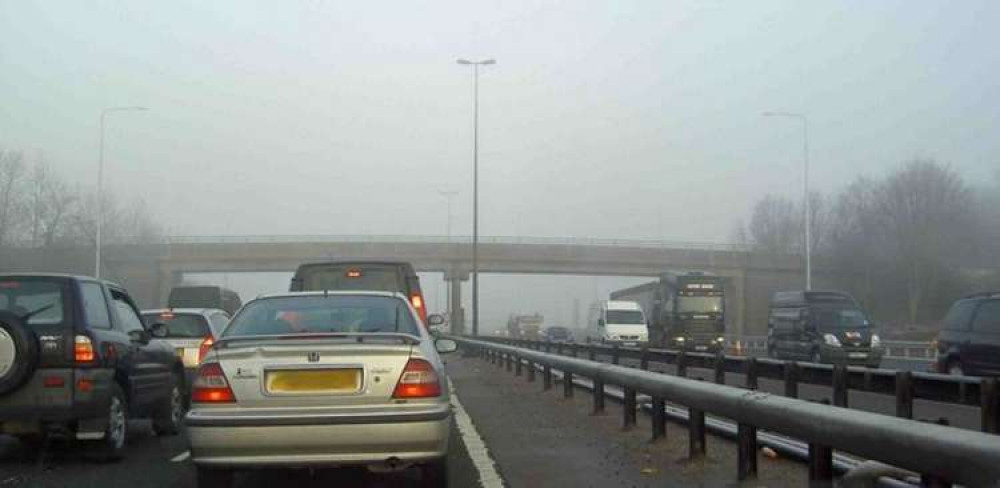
{"x": 40, "y": 208}
{"x": 906, "y": 245}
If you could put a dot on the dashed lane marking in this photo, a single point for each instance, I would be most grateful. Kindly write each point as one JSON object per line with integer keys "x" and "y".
{"x": 474, "y": 444}
{"x": 180, "y": 458}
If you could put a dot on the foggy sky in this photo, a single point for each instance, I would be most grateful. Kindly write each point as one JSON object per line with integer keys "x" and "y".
{"x": 601, "y": 119}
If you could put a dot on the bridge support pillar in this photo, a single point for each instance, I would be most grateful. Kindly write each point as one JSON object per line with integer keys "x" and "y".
{"x": 456, "y": 313}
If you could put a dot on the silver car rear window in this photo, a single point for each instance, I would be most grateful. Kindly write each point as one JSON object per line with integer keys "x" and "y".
{"x": 323, "y": 314}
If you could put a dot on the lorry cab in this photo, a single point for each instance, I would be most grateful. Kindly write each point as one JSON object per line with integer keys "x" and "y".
{"x": 821, "y": 327}
{"x": 617, "y": 322}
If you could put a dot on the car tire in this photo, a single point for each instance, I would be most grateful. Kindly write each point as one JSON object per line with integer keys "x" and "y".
{"x": 816, "y": 357}
{"x": 214, "y": 478}
{"x": 168, "y": 417}
{"x": 435, "y": 474}
{"x": 112, "y": 446}
{"x": 22, "y": 347}
{"x": 955, "y": 368}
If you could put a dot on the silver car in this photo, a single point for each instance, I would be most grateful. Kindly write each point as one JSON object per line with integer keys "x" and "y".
{"x": 322, "y": 379}
{"x": 190, "y": 332}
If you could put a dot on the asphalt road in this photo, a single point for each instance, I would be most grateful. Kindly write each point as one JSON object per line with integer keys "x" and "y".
{"x": 520, "y": 436}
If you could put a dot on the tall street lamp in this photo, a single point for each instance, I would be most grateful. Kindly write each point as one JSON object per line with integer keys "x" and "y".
{"x": 100, "y": 183}
{"x": 807, "y": 204}
{"x": 475, "y": 187}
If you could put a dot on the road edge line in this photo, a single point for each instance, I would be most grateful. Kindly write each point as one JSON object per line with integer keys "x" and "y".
{"x": 489, "y": 477}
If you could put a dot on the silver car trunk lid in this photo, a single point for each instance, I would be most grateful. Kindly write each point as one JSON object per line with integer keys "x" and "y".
{"x": 276, "y": 373}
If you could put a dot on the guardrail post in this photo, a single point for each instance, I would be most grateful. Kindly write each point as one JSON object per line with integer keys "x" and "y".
{"x": 904, "y": 394}
{"x": 531, "y": 371}
{"x": 628, "y": 408}
{"x": 644, "y": 359}
{"x": 508, "y": 361}
{"x": 598, "y": 396}
{"x": 746, "y": 459}
{"x": 614, "y": 354}
{"x": 659, "y": 415}
{"x": 682, "y": 364}
{"x": 751, "y": 373}
{"x": 517, "y": 365}
{"x": 720, "y": 368}
{"x": 567, "y": 384}
{"x": 591, "y": 353}
{"x": 792, "y": 379}
{"x": 840, "y": 385}
{"x": 572, "y": 350}
{"x": 989, "y": 401}
{"x": 820, "y": 465}
{"x": 558, "y": 348}
{"x": 546, "y": 377}
{"x": 696, "y": 433}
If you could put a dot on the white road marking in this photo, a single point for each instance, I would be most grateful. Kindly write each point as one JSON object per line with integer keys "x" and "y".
{"x": 180, "y": 458}
{"x": 488, "y": 475}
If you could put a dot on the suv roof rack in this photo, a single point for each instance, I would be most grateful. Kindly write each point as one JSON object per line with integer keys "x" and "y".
{"x": 983, "y": 294}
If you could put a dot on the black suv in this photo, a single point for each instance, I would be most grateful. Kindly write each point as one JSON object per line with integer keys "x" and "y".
{"x": 76, "y": 361}
{"x": 969, "y": 341}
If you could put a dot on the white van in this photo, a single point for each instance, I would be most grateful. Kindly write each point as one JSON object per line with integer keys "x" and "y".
{"x": 617, "y": 322}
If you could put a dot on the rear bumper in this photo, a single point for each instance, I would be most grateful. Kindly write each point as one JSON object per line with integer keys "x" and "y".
{"x": 35, "y": 408}
{"x": 309, "y": 440}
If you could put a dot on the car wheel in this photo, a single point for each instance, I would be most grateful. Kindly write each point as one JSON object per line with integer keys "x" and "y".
{"x": 955, "y": 368}
{"x": 816, "y": 357}
{"x": 112, "y": 446}
{"x": 167, "y": 420}
{"x": 214, "y": 478}
{"x": 435, "y": 474}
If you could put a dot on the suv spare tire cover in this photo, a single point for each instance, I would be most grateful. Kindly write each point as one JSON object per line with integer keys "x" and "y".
{"x": 18, "y": 352}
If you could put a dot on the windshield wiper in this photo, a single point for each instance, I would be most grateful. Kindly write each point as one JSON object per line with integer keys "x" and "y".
{"x": 36, "y": 311}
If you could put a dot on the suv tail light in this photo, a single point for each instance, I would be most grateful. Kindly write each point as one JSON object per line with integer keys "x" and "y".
{"x": 418, "y": 303}
{"x": 83, "y": 350}
{"x": 418, "y": 381}
{"x": 206, "y": 345}
{"x": 211, "y": 386}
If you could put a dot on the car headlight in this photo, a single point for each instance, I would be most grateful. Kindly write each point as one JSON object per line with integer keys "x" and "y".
{"x": 876, "y": 340}
{"x": 831, "y": 340}
{"x": 720, "y": 340}
{"x": 678, "y": 339}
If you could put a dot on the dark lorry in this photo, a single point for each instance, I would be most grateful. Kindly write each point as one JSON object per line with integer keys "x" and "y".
{"x": 684, "y": 310}
{"x": 821, "y": 327}
{"x": 397, "y": 277}
{"x": 77, "y": 361}
{"x": 207, "y": 296}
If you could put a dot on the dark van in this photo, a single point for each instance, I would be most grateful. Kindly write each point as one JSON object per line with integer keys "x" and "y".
{"x": 204, "y": 297}
{"x": 969, "y": 342}
{"x": 821, "y": 327}
{"x": 394, "y": 277}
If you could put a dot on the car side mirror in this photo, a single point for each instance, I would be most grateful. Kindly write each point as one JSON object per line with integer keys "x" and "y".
{"x": 159, "y": 330}
{"x": 140, "y": 336}
{"x": 445, "y": 346}
{"x": 435, "y": 319}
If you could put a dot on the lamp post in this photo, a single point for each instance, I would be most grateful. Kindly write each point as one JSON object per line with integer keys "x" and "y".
{"x": 475, "y": 187}
{"x": 805, "y": 187}
{"x": 100, "y": 183}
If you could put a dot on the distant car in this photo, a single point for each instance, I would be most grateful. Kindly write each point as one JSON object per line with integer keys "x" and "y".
{"x": 191, "y": 332}
{"x": 207, "y": 296}
{"x": 393, "y": 277}
{"x": 558, "y": 334}
{"x": 322, "y": 379}
{"x": 76, "y": 362}
{"x": 969, "y": 341}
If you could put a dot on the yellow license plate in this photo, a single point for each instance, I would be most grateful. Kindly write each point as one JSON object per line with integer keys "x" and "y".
{"x": 180, "y": 352}
{"x": 344, "y": 380}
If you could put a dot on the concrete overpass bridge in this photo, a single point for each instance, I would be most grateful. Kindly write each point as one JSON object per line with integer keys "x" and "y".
{"x": 150, "y": 270}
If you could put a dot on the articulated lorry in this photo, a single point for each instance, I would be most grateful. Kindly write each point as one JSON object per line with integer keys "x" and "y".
{"x": 684, "y": 310}
{"x": 525, "y": 326}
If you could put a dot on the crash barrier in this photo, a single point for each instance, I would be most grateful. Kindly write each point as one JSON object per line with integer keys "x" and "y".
{"x": 940, "y": 454}
{"x": 905, "y": 386}
{"x": 757, "y": 346}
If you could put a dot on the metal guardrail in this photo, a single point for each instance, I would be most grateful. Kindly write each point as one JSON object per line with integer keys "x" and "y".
{"x": 418, "y": 239}
{"x": 905, "y": 386}
{"x": 940, "y": 454}
{"x": 757, "y": 345}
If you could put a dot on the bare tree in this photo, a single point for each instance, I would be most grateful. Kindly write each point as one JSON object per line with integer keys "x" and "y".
{"x": 11, "y": 173}
{"x": 775, "y": 225}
